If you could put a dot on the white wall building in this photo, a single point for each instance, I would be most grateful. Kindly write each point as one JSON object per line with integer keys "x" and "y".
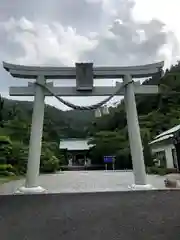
{"x": 164, "y": 150}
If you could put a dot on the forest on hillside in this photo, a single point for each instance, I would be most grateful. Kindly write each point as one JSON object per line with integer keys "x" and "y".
{"x": 15, "y": 119}
{"x": 156, "y": 113}
{"x": 109, "y": 132}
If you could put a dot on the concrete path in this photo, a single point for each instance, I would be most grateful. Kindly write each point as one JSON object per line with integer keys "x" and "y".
{"x": 84, "y": 181}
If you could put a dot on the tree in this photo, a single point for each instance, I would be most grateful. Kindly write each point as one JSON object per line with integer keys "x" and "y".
{"x": 49, "y": 165}
{"x": 5, "y": 149}
{"x": 19, "y": 157}
{"x": 1, "y": 111}
{"x": 176, "y": 142}
{"x": 123, "y": 159}
{"x": 105, "y": 143}
{"x": 147, "y": 152}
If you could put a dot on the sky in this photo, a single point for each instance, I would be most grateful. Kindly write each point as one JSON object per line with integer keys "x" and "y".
{"x": 105, "y": 32}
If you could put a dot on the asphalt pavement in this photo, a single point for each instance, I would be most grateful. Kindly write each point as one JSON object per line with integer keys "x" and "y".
{"x": 91, "y": 216}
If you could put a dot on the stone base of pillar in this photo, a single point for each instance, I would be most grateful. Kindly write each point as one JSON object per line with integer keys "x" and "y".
{"x": 141, "y": 187}
{"x": 32, "y": 190}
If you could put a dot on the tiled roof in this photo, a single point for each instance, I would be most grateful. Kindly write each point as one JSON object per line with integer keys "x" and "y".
{"x": 161, "y": 138}
{"x": 170, "y": 131}
{"x": 166, "y": 134}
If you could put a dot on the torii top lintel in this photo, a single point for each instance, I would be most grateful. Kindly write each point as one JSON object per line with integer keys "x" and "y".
{"x": 31, "y": 72}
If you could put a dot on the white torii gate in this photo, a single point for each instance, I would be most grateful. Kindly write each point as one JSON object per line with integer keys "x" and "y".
{"x": 84, "y": 87}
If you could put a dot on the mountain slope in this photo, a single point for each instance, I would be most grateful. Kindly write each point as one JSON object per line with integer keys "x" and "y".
{"x": 57, "y": 123}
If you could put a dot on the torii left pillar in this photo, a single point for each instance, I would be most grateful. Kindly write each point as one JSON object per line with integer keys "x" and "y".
{"x": 31, "y": 184}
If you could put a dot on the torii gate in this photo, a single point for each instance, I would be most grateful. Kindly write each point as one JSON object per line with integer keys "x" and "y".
{"x": 84, "y": 73}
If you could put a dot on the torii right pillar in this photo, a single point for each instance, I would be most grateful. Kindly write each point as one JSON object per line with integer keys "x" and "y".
{"x": 135, "y": 142}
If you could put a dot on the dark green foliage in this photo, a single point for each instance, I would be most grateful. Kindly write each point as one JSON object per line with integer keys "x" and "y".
{"x": 5, "y": 149}
{"x": 17, "y": 117}
{"x": 1, "y": 111}
{"x": 147, "y": 152}
{"x": 113, "y": 144}
{"x": 51, "y": 157}
{"x": 15, "y": 134}
{"x": 160, "y": 170}
{"x": 156, "y": 170}
{"x": 49, "y": 164}
{"x": 7, "y": 170}
{"x": 19, "y": 157}
{"x": 157, "y": 113}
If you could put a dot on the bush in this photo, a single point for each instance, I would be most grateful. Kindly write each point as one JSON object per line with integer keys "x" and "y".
{"x": 5, "y": 174}
{"x": 7, "y": 167}
{"x": 171, "y": 170}
{"x": 160, "y": 170}
{"x": 5, "y": 140}
{"x": 7, "y": 170}
{"x": 5, "y": 149}
{"x": 61, "y": 159}
{"x": 156, "y": 170}
{"x": 50, "y": 165}
{"x": 19, "y": 157}
{"x": 49, "y": 162}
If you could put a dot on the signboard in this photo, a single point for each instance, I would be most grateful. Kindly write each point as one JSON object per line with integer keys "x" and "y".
{"x": 109, "y": 159}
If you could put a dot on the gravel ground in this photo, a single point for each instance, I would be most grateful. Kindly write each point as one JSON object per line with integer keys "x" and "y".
{"x": 84, "y": 181}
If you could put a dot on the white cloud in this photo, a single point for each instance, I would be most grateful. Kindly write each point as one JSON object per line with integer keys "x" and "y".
{"x": 125, "y": 40}
{"x": 124, "y": 34}
{"x": 45, "y": 42}
{"x": 166, "y": 11}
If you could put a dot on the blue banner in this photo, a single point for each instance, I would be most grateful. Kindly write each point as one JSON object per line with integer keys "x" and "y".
{"x": 109, "y": 159}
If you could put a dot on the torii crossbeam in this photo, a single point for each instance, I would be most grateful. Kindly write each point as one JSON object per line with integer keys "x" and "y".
{"x": 84, "y": 74}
